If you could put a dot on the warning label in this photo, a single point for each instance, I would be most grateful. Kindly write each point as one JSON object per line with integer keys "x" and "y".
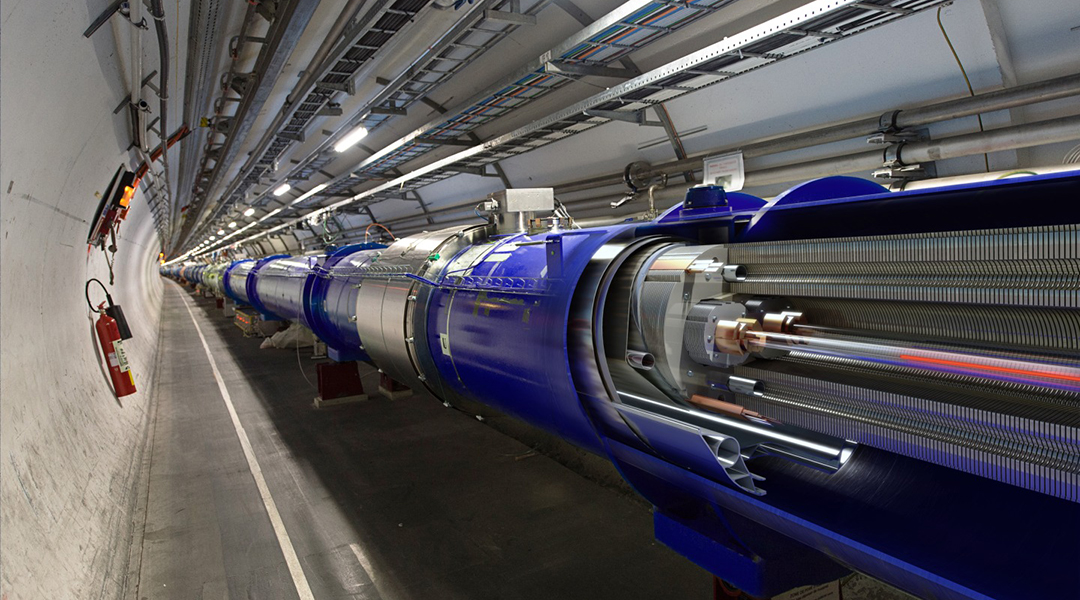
{"x": 121, "y": 357}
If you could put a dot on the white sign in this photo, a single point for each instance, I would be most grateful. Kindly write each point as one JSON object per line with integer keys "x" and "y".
{"x": 726, "y": 170}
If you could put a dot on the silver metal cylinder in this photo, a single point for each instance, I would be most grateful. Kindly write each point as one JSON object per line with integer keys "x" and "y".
{"x": 1006, "y": 138}
{"x": 734, "y": 273}
{"x": 238, "y": 281}
{"x": 640, "y": 360}
{"x": 280, "y": 283}
{"x": 390, "y": 294}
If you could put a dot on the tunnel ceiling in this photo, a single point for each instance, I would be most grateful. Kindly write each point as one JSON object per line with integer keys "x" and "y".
{"x": 273, "y": 90}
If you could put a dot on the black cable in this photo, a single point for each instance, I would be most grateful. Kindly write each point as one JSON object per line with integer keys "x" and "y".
{"x": 110, "y": 262}
{"x": 963, "y": 71}
{"x": 111, "y": 250}
{"x": 103, "y": 288}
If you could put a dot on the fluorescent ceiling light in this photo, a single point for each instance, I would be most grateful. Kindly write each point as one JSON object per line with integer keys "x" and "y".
{"x": 249, "y": 212}
{"x": 314, "y": 190}
{"x": 232, "y": 224}
{"x": 281, "y": 189}
{"x": 350, "y": 139}
{"x": 212, "y": 238}
{"x": 221, "y": 232}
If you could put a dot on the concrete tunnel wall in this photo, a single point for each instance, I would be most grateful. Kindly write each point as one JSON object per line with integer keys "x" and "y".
{"x": 71, "y": 451}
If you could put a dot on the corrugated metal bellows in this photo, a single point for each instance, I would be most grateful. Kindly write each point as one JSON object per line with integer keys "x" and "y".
{"x": 1009, "y": 293}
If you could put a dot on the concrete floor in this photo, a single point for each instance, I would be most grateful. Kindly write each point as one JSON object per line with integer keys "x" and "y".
{"x": 381, "y": 499}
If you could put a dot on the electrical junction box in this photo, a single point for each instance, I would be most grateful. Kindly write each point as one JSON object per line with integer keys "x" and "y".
{"x": 252, "y": 324}
{"x": 526, "y": 199}
{"x": 518, "y": 207}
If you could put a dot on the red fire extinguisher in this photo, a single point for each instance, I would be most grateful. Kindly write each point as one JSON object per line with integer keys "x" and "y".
{"x": 113, "y": 349}
{"x": 112, "y": 329}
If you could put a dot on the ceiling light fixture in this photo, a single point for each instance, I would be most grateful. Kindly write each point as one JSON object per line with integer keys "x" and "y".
{"x": 314, "y": 190}
{"x": 232, "y": 224}
{"x": 351, "y": 139}
{"x": 281, "y": 189}
{"x": 249, "y": 212}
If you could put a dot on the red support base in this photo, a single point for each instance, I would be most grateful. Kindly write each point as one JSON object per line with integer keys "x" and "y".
{"x": 339, "y": 383}
{"x": 392, "y": 388}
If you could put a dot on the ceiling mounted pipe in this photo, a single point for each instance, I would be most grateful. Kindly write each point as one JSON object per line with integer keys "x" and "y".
{"x": 995, "y": 140}
{"x": 1007, "y": 138}
{"x": 307, "y": 81}
{"x": 999, "y": 100}
{"x": 282, "y": 37}
{"x": 157, "y": 11}
{"x": 1052, "y": 89}
{"x": 1043, "y": 91}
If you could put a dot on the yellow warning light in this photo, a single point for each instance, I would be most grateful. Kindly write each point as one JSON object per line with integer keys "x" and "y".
{"x": 129, "y": 192}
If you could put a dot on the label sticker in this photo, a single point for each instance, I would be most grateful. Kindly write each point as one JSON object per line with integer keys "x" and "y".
{"x": 496, "y": 257}
{"x": 726, "y": 170}
{"x": 121, "y": 357}
{"x": 444, "y": 342}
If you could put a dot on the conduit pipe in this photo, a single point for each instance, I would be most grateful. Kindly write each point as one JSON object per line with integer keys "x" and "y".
{"x": 135, "y": 14}
{"x": 995, "y": 140}
{"x": 1044, "y": 91}
{"x": 157, "y": 11}
{"x": 314, "y": 68}
{"x": 1006, "y": 138}
{"x": 280, "y": 41}
{"x": 307, "y": 81}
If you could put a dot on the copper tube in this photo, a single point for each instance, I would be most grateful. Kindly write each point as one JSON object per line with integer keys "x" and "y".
{"x": 726, "y": 408}
{"x": 782, "y": 322}
{"x": 735, "y": 337}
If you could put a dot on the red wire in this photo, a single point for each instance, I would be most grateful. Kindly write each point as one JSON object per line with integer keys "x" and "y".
{"x": 392, "y": 236}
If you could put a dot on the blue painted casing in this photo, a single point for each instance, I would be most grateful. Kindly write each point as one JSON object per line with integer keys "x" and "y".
{"x": 251, "y": 288}
{"x": 237, "y": 293}
{"x": 497, "y": 330}
{"x": 330, "y": 300}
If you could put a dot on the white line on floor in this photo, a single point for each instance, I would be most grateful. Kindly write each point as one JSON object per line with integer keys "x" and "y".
{"x": 362, "y": 558}
{"x": 297, "y": 572}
